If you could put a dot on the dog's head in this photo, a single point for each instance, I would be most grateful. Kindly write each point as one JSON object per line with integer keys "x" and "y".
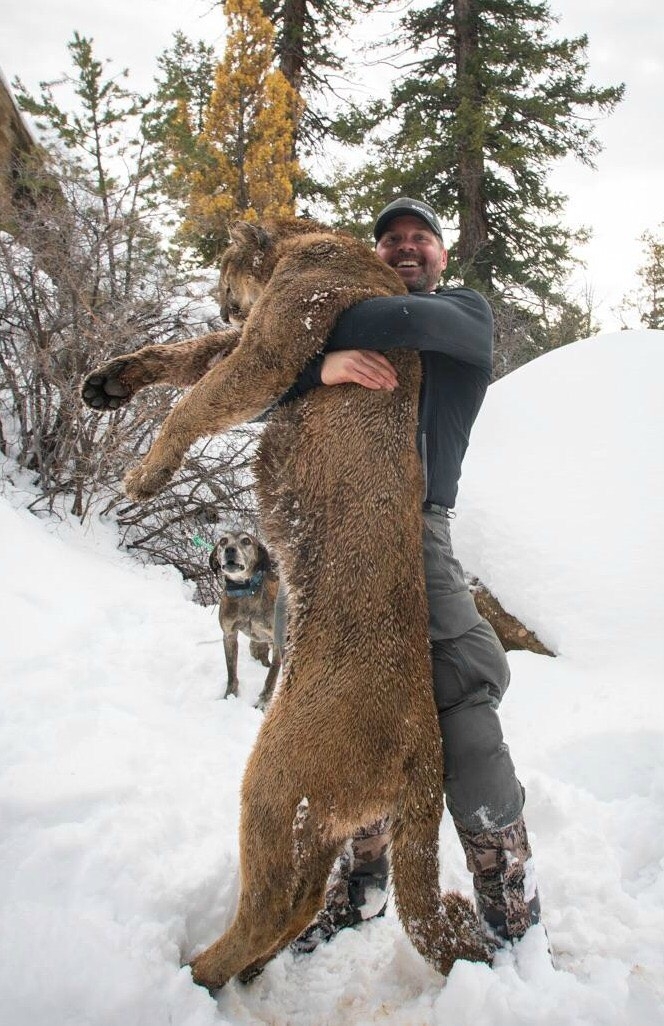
{"x": 248, "y": 262}
{"x": 238, "y": 555}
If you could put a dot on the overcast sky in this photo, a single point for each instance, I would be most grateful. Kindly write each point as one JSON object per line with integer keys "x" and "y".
{"x": 623, "y": 198}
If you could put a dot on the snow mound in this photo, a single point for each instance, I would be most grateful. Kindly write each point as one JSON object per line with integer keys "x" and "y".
{"x": 562, "y": 497}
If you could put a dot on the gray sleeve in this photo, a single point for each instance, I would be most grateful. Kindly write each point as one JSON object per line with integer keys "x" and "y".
{"x": 455, "y": 322}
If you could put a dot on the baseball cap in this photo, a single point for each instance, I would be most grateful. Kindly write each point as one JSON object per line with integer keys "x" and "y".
{"x": 405, "y": 205}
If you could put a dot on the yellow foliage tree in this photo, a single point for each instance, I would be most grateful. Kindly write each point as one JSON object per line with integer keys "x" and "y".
{"x": 245, "y": 167}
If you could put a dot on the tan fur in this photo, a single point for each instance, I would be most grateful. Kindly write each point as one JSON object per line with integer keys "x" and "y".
{"x": 114, "y": 383}
{"x": 352, "y": 734}
{"x": 235, "y": 559}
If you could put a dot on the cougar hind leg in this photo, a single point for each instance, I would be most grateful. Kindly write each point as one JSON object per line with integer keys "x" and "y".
{"x": 303, "y": 913}
{"x": 274, "y": 908}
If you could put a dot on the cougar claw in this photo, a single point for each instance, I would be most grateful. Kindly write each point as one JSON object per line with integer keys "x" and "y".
{"x": 145, "y": 481}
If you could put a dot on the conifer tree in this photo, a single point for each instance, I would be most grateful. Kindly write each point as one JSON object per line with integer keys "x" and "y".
{"x": 307, "y": 46}
{"x": 187, "y": 71}
{"x": 648, "y": 299}
{"x": 489, "y": 102}
{"x": 177, "y": 117}
{"x": 95, "y": 138}
{"x": 242, "y": 163}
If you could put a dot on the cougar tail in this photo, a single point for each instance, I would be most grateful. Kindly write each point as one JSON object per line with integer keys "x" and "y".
{"x": 443, "y": 927}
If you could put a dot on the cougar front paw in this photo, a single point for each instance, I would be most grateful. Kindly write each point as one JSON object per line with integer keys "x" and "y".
{"x": 146, "y": 480}
{"x": 105, "y": 388}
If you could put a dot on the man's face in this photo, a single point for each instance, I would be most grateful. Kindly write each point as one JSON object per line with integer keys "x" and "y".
{"x": 416, "y": 254}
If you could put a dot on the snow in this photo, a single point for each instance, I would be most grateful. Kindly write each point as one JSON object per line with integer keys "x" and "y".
{"x": 579, "y": 483}
{"x": 120, "y": 767}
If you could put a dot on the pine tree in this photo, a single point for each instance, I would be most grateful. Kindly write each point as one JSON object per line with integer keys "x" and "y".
{"x": 176, "y": 119}
{"x": 573, "y": 320}
{"x": 490, "y": 101}
{"x": 98, "y": 140}
{"x": 307, "y": 51}
{"x": 307, "y": 47}
{"x": 648, "y": 300}
{"x": 241, "y": 163}
{"x": 187, "y": 77}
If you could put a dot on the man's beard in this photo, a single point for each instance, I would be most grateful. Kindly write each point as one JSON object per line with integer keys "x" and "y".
{"x": 421, "y": 283}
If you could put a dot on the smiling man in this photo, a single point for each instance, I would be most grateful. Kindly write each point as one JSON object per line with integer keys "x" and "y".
{"x": 415, "y": 251}
{"x": 453, "y": 331}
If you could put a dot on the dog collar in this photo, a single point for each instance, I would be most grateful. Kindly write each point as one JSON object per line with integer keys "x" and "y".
{"x": 241, "y": 588}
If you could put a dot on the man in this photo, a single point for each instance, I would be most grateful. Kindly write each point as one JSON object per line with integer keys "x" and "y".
{"x": 452, "y": 329}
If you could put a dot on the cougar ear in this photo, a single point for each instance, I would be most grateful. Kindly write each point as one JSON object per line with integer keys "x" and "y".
{"x": 243, "y": 232}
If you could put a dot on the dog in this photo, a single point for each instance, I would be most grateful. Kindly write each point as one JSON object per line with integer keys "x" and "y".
{"x": 351, "y": 735}
{"x": 249, "y": 584}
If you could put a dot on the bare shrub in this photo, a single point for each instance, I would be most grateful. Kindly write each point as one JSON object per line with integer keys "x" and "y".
{"x": 59, "y": 318}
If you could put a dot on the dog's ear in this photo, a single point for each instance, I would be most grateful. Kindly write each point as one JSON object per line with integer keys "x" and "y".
{"x": 243, "y": 232}
{"x": 264, "y": 562}
{"x": 215, "y": 565}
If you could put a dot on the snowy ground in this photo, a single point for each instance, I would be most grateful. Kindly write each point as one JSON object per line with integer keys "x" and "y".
{"x": 120, "y": 768}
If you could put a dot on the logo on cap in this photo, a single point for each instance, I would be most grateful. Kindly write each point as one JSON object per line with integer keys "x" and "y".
{"x": 405, "y": 205}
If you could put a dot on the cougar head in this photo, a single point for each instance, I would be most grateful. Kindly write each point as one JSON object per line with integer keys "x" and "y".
{"x": 245, "y": 270}
{"x": 253, "y": 253}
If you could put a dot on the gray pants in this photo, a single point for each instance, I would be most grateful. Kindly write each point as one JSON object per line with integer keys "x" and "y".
{"x": 470, "y": 677}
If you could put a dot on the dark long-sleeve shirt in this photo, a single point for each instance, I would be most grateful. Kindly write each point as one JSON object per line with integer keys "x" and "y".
{"x": 452, "y": 329}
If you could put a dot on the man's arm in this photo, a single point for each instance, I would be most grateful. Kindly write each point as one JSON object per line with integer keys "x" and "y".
{"x": 455, "y": 322}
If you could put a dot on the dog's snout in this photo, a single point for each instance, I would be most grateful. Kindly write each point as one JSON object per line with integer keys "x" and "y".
{"x": 230, "y": 552}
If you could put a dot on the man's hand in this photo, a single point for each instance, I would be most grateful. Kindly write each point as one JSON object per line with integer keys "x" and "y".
{"x": 359, "y": 367}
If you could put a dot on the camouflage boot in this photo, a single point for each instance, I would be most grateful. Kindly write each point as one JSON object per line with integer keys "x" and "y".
{"x": 504, "y": 879}
{"x": 357, "y": 889}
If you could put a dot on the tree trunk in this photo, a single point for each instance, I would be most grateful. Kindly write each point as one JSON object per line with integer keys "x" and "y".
{"x": 473, "y": 222}
{"x": 291, "y": 53}
{"x": 291, "y": 56}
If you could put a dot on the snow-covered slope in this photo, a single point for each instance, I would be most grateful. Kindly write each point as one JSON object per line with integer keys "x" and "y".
{"x": 562, "y": 497}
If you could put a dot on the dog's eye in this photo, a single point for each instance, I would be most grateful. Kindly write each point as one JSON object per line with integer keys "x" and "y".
{"x": 245, "y": 541}
{"x": 223, "y": 541}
